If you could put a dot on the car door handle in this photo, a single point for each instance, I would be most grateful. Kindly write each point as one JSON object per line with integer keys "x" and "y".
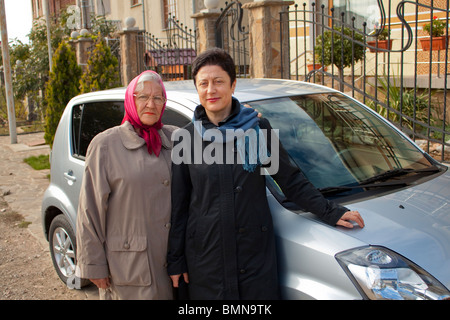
{"x": 69, "y": 177}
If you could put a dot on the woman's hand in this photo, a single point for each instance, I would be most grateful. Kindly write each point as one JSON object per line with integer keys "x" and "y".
{"x": 101, "y": 283}
{"x": 351, "y": 216}
{"x": 249, "y": 106}
{"x": 175, "y": 279}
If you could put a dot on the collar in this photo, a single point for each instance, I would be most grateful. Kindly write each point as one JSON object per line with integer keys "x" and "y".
{"x": 200, "y": 113}
{"x": 131, "y": 140}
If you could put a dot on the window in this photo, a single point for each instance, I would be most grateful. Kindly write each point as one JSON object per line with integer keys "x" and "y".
{"x": 135, "y": 2}
{"x": 173, "y": 118}
{"x": 364, "y": 11}
{"x": 37, "y": 10}
{"x": 90, "y": 119}
{"x": 170, "y": 10}
{"x": 103, "y": 7}
{"x": 335, "y": 141}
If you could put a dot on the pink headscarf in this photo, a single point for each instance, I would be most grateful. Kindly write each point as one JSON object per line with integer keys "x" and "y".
{"x": 148, "y": 133}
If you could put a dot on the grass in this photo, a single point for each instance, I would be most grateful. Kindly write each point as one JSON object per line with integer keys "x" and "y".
{"x": 14, "y": 218}
{"x": 38, "y": 163}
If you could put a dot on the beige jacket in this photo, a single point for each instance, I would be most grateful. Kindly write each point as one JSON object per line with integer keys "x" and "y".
{"x": 124, "y": 214}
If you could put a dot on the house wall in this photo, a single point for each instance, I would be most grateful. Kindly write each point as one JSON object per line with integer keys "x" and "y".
{"x": 55, "y": 7}
{"x": 149, "y": 14}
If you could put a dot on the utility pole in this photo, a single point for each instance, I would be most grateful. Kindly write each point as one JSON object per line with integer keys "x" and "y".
{"x": 8, "y": 77}
{"x": 49, "y": 35}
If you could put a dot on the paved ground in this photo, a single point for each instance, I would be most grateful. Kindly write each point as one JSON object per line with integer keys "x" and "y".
{"x": 22, "y": 188}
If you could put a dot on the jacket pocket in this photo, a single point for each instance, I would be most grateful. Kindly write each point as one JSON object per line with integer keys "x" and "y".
{"x": 128, "y": 260}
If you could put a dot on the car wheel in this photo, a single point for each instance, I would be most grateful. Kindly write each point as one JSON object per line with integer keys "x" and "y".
{"x": 63, "y": 252}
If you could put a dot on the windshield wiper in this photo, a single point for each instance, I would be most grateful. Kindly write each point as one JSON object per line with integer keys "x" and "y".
{"x": 338, "y": 189}
{"x": 369, "y": 183}
{"x": 397, "y": 172}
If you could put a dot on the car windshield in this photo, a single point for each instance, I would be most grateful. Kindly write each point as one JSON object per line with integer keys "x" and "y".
{"x": 335, "y": 141}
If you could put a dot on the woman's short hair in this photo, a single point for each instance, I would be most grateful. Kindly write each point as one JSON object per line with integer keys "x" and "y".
{"x": 147, "y": 77}
{"x": 214, "y": 57}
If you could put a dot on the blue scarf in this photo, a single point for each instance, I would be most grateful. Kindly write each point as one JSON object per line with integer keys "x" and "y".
{"x": 251, "y": 145}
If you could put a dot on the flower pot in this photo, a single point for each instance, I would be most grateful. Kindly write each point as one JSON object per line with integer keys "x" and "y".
{"x": 316, "y": 66}
{"x": 382, "y": 44}
{"x": 438, "y": 43}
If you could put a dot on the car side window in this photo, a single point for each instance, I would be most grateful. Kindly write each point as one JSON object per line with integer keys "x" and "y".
{"x": 174, "y": 118}
{"x": 90, "y": 119}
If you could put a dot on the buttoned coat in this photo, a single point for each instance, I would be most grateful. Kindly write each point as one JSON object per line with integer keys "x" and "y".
{"x": 222, "y": 233}
{"x": 124, "y": 214}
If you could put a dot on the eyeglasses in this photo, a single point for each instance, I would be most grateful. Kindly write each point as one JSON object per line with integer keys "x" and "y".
{"x": 157, "y": 100}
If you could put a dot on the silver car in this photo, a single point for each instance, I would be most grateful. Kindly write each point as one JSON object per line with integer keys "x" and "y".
{"x": 350, "y": 153}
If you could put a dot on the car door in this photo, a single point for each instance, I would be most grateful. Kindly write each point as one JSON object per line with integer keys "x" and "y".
{"x": 88, "y": 120}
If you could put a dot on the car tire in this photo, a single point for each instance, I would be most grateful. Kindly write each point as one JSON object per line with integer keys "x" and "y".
{"x": 63, "y": 252}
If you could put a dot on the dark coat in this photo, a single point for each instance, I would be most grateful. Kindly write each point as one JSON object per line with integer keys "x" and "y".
{"x": 222, "y": 232}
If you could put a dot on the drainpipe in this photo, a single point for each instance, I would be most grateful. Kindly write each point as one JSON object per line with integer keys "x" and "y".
{"x": 85, "y": 15}
{"x": 194, "y": 11}
{"x": 143, "y": 14}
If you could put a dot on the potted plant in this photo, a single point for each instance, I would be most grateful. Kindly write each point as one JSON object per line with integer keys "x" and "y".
{"x": 436, "y": 31}
{"x": 314, "y": 64}
{"x": 383, "y": 40}
{"x": 332, "y": 48}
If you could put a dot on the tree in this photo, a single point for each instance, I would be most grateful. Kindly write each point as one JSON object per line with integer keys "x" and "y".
{"x": 102, "y": 70}
{"x": 333, "y": 48}
{"x": 62, "y": 86}
{"x": 34, "y": 73}
{"x": 19, "y": 52}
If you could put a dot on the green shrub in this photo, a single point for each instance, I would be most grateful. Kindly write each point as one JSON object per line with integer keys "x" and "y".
{"x": 62, "y": 86}
{"x": 403, "y": 101}
{"x": 102, "y": 70}
{"x": 438, "y": 27}
{"x": 383, "y": 35}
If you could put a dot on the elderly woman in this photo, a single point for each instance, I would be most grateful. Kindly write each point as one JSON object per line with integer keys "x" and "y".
{"x": 222, "y": 238}
{"x": 124, "y": 208}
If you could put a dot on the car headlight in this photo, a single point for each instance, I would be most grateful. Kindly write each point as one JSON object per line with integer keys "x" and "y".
{"x": 380, "y": 274}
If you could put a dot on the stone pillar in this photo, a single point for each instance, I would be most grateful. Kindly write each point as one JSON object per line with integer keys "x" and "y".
{"x": 206, "y": 29}
{"x": 132, "y": 52}
{"x": 81, "y": 47}
{"x": 266, "y": 47}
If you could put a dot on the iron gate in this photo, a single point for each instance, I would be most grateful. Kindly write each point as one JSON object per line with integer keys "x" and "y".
{"x": 173, "y": 58}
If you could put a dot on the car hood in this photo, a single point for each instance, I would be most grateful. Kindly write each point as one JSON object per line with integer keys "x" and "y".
{"x": 414, "y": 222}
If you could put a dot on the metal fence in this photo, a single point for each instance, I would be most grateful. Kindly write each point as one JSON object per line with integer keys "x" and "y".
{"x": 171, "y": 57}
{"x": 114, "y": 45}
{"x": 389, "y": 64}
{"x": 233, "y": 36}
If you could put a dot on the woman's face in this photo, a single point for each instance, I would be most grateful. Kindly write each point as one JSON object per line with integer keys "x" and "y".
{"x": 215, "y": 91}
{"x": 149, "y": 103}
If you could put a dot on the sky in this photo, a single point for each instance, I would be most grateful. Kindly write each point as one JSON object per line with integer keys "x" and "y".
{"x": 19, "y": 19}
